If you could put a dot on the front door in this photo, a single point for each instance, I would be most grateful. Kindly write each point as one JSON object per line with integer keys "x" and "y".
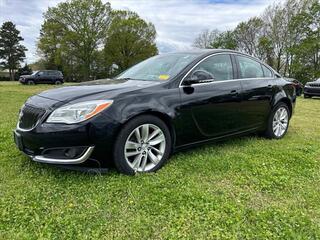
{"x": 213, "y": 106}
{"x": 41, "y": 77}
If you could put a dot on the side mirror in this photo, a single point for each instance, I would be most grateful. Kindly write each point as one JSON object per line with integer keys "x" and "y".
{"x": 199, "y": 76}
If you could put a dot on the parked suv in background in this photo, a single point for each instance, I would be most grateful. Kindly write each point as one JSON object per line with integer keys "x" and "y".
{"x": 46, "y": 76}
{"x": 312, "y": 89}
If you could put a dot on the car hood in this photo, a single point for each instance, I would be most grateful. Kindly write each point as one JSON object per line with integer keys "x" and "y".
{"x": 316, "y": 81}
{"x": 25, "y": 76}
{"x": 98, "y": 89}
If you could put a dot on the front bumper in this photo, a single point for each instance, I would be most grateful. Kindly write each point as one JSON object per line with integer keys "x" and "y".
{"x": 314, "y": 91}
{"x": 52, "y": 143}
{"x": 55, "y": 155}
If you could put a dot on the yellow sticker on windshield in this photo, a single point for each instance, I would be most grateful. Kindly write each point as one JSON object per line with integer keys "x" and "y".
{"x": 164, "y": 77}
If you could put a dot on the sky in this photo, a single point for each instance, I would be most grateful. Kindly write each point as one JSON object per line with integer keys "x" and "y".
{"x": 177, "y": 22}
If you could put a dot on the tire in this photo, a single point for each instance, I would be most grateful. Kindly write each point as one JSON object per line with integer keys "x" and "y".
{"x": 57, "y": 82}
{"x": 274, "y": 132}
{"x": 130, "y": 157}
{"x": 299, "y": 92}
{"x": 30, "y": 82}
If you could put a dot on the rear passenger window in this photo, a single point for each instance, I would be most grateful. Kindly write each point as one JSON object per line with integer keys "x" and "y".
{"x": 249, "y": 68}
{"x": 267, "y": 72}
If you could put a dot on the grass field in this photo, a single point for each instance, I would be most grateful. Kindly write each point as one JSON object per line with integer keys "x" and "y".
{"x": 246, "y": 188}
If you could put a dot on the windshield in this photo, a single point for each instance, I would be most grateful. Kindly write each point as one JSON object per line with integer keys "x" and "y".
{"x": 160, "y": 67}
{"x": 34, "y": 73}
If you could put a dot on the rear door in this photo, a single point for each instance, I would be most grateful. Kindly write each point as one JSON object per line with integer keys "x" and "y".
{"x": 52, "y": 76}
{"x": 256, "y": 85}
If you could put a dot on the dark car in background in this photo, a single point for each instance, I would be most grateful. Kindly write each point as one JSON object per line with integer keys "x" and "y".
{"x": 312, "y": 89}
{"x": 44, "y": 76}
{"x": 163, "y": 104}
{"x": 297, "y": 84}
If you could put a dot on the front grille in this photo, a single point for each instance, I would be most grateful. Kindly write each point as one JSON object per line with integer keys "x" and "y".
{"x": 314, "y": 84}
{"x": 29, "y": 116}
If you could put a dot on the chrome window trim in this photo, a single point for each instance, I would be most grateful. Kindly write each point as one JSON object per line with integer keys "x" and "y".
{"x": 219, "y": 81}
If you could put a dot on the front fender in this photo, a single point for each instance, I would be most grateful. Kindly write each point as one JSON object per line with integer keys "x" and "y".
{"x": 165, "y": 102}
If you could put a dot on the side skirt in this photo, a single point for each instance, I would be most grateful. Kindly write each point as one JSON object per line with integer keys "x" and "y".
{"x": 216, "y": 139}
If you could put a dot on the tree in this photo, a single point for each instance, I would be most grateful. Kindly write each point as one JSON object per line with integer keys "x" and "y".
{"x": 205, "y": 38}
{"x": 11, "y": 51}
{"x": 25, "y": 70}
{"x": 224, "y": 40}
{"x": 265, "y": 50}
{"x": 72, "y": 33}
{"x": 306, "y": 25}
{"x": 129, "y": 40}
{"x": 248, "y": 34}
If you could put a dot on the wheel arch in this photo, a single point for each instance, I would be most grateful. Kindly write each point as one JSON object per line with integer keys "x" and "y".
{"x": 163, "y": 116}
{"x": 286, "y": 101}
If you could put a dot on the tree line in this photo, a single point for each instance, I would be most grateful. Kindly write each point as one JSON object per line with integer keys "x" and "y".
{"x": 90, "y": 40}
{"x": 286, "y": 36}
{"x": 84, "y": 39}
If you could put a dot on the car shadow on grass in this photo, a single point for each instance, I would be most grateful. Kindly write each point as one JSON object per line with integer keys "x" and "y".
{"x": 96, "y": 169}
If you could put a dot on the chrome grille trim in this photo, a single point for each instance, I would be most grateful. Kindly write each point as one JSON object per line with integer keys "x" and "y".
{"x": 29, "y": 117}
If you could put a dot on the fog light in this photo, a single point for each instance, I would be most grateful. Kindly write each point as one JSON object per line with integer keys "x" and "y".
{"x": 70, "y": 153}
{"x": 64, "y": 153}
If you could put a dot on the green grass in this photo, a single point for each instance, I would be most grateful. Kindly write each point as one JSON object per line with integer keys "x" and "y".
{"x": 245, "y": 188}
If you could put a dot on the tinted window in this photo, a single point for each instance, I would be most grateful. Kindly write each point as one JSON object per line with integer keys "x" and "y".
{"x": 41, "y": 73}
{"x": 267, "y": 72}
{"x": 217, "y": 67}
{"x": 52, "y": 73}
{"x": 249, "y": 68}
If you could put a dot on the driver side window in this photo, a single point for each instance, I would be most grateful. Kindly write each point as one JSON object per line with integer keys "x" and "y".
{"x": 218, "y": 68}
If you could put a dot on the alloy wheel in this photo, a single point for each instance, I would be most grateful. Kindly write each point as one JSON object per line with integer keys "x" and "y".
{"x": 280, "y": 122}
{"x": 145, "y": 147}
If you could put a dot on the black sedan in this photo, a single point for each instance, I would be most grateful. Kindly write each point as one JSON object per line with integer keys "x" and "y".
{"x": 163, "y": 104}
{"x": 312, "y": 89}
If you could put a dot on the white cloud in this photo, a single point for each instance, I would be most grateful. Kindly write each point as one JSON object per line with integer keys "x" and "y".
{"x": 177, "y": 22}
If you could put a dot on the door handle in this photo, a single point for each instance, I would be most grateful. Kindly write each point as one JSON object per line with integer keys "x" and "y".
{"x": 234, "y": 93}
{"x": 270, "y": 86}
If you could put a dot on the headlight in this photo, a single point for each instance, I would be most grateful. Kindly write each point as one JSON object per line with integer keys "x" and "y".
{"x": 78, "y": 112}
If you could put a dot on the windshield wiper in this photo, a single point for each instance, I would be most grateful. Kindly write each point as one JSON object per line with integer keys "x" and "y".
{"x": 125, "y": 78}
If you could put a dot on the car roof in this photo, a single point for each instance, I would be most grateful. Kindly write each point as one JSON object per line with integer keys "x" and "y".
{"x": 204, "y": 52}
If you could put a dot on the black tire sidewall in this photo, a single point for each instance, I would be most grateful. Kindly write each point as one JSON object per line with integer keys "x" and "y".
{"x": 269, "y": 132}
{"x": 118, "y": 149}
